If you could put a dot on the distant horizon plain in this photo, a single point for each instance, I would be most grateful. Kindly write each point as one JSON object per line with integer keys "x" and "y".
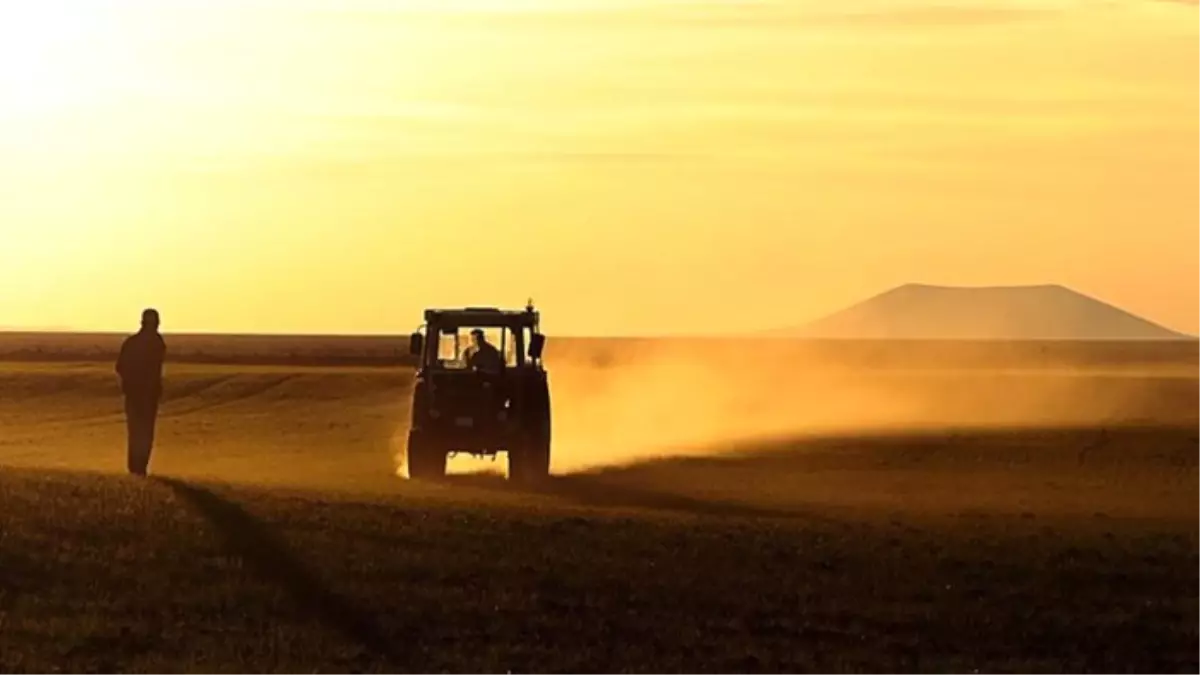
{"x": 810, "y": 330}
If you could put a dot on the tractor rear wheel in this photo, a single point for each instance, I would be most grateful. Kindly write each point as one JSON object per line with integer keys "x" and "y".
{"x": 530, "y": 463}
{"x": 426, "y": 460}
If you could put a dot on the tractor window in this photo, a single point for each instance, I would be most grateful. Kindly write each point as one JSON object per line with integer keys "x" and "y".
{"x": 455, "y": 348}
{"x": 526, "y": 333}
{"x": 449, "y": 351}
{"x": 510, "y": 349}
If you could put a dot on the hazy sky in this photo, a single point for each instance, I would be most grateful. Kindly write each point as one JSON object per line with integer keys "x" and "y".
{"x": 635, "y": 166}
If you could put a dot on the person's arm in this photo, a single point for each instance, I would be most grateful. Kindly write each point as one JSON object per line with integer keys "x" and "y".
{"x": 122, "y": 363}
{"x": 158, "y": 373}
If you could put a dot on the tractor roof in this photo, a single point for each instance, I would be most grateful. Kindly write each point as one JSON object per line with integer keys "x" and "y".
{"x": 482, "y": 316}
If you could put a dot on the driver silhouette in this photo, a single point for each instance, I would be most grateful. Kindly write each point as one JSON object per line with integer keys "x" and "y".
{"x": 483, "y": 355}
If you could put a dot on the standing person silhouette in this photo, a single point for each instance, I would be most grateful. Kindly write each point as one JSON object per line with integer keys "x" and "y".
{"x": 139, "y": 368}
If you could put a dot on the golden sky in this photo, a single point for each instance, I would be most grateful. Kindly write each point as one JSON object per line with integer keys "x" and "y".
{"x": 636, "y": 166}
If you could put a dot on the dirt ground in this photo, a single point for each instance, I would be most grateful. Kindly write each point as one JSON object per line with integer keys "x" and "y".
{"x": 701, "y": 519}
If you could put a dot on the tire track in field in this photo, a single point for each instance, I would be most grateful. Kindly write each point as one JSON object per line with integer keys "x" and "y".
{"x": 240, "y": 396}
{"x": 115, "y": 416}
{"x": 194, "y": 387}
{"x": 184, "y": 390}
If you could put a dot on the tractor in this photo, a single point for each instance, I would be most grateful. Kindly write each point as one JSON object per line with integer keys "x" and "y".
{"x": 458, "y": 405}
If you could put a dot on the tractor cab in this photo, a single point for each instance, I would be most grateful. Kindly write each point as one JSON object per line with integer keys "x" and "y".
{"x": 452, "y": 335}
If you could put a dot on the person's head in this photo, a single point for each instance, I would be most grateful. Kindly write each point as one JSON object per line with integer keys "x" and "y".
{"x": 477, "y": 337}
{"x": 150, "y": 319}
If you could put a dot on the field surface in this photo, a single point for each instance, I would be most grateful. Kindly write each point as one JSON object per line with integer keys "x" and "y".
{"x": 707, "y": 514}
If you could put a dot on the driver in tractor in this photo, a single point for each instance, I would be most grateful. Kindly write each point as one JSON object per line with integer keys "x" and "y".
{"x": 482, "y": 355}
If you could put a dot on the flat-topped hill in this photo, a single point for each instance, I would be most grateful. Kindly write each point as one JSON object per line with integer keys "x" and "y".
{"x": 1041, "y": 312}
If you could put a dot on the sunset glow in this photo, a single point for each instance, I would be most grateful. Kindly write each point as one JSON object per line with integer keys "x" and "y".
{"x": 337, "y": 166}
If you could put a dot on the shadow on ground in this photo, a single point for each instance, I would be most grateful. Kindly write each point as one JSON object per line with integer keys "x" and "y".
{"x": 268, "y": 555}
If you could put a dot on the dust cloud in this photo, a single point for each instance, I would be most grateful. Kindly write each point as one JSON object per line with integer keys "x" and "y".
{"x": 628, "y": 403}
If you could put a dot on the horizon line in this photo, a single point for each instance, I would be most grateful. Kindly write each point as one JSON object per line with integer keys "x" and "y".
{"x": 765, "y": 334}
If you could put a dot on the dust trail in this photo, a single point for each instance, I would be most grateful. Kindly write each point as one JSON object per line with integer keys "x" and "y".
{"x": 656, "y": 401}
{"x": 618, "y": 403}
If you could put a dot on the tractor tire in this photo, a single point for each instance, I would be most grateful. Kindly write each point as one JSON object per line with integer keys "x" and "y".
{"x": 426, "y": 461}
{"x": 530, "y": 463}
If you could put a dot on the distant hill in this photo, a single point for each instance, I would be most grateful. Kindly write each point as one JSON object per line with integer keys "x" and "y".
{"x": 1043, "y": 312}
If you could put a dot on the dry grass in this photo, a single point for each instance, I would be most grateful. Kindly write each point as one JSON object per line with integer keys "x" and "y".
{"x": 278, "y": 538}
